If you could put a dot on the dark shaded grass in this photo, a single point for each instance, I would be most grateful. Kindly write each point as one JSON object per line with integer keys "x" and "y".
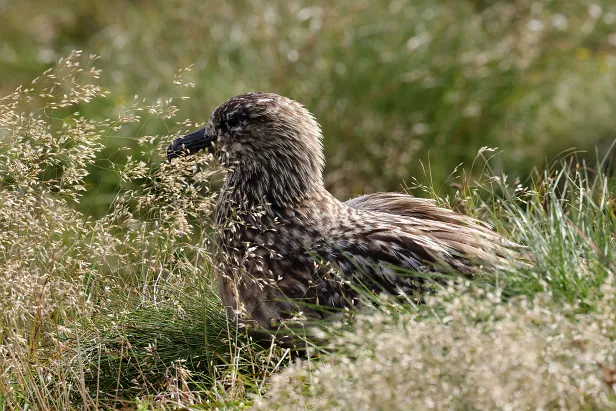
{"x": 168, "y": 354}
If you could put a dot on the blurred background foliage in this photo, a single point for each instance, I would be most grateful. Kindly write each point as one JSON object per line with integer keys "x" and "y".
{"x": 404, "y": 89}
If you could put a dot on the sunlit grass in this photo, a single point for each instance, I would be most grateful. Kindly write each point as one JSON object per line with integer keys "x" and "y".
{"x": 121, "y": 310}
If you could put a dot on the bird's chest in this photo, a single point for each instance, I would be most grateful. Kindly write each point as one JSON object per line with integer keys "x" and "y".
{"x": 267, "y": 244}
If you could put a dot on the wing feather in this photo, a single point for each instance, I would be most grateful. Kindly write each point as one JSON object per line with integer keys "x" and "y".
{"x": 398, "y": 230}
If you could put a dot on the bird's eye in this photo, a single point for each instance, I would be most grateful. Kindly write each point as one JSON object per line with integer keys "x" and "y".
{"x": 233, "y": 122}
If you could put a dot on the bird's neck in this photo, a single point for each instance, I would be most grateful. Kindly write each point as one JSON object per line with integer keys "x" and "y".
{"x": 260, "y": 190}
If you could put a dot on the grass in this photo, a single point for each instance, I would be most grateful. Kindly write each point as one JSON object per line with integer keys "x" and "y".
{"x": 107, "y": 300}
{"x": 119, "y": 310}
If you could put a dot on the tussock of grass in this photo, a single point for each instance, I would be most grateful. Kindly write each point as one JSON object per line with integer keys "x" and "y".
{"x": 171, "y": 355}
{"x": 476, "y": 353}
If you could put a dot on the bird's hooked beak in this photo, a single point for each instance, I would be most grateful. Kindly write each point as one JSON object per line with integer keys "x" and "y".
{"x": 190, "y": 144}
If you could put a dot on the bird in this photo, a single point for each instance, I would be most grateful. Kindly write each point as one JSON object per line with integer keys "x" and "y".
{"x": 288, "y": 250}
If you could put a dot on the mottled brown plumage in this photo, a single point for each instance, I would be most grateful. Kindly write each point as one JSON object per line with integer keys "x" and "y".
{"x": 288, "y": 248}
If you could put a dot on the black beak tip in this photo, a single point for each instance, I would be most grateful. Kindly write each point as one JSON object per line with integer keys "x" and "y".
{"x": 172, "y": 152}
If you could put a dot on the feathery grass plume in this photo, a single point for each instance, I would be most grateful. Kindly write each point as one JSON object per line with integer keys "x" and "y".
{"x": 44, "y": 253}
{"x": 131, "y": 275}
{"x": 537, "y": 337}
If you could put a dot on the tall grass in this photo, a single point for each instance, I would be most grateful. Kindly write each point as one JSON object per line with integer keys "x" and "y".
{"x": 95, "y": 311}
{"x": 120, "y": 310}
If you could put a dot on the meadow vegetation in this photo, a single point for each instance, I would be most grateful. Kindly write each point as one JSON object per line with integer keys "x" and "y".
{"x": 106, "y": 295}
{"x": 395, "y": 84}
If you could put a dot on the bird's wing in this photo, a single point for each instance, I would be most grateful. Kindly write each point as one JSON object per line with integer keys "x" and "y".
{"x": 460, "y": 232}
{"x": 391, "y": 230}
{"x": 408, "y": 206}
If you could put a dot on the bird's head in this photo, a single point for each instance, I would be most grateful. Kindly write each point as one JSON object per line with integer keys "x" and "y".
{"x": 263, "y": 137}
